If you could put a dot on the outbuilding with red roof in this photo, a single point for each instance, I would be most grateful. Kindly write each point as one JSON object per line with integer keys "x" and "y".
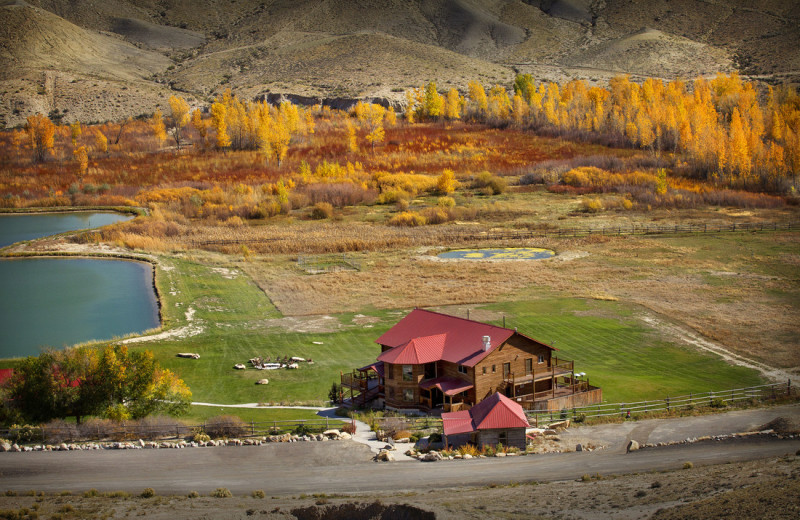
{"x": 495, "y": 420}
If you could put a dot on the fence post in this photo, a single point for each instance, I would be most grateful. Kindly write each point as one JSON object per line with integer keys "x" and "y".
{"x": 668, "y": 403}
{"x": 252, "y": 428}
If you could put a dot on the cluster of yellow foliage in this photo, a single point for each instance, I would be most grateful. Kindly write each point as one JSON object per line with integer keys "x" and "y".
{"x": 723, "y": 128}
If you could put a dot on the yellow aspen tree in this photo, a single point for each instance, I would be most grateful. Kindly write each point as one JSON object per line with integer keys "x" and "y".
{"x": 279, "y": 137}
{"x": 180, "y": 118}
{"x": 352, "y": 142}
{"x": 157, "y": 125}
{"x": 478, "y": 103}
{"x": 82, "y": 158}
{"x": 434, "y": 103}
{"x": 18, "y": 139}
{"x": 446, "y": 182}
{"x": 453, "y": 103}
{"x": 739, "y": 159}
{"x": 411, "y": 107}
{"x": 76, "y": 131}
{"x": 645, "y": 134}
{"x": 391, "y": 117}
{"x": 376, "y": 136}
{"x": 41, "y": 133}
{"x": 219, "y": 121}
{"x": 101, "y": 141}
{"x": 310, "y": 123}
{"x": 373, "y": 120}
{"x": 201, "y": 126}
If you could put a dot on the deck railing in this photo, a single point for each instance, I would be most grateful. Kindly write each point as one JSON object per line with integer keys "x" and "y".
{"x": 556, "y": 368}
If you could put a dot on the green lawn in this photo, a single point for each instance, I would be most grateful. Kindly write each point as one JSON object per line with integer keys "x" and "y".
{"x": 233, "y": 313}
{"x": 629, "y": 360}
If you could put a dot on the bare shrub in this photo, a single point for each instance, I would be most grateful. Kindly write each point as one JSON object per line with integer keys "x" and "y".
{"x": 338, "y": 194}
{"x": 225, "y": 426}
{"x": 58, "y": 430}
{"x": 152, "y": 428}
{"x": 97, "y": 429}
{"x": 321, "y": 210}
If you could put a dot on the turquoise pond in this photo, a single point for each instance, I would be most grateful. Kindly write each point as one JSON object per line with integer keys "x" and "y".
{"x": 56, "y": 302}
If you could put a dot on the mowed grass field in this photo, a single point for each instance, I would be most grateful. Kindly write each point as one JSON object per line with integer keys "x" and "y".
{"x": 608, "y": 340}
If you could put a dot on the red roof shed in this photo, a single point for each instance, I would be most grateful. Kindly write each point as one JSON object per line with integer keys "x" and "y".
{"x": 496, "y": 412}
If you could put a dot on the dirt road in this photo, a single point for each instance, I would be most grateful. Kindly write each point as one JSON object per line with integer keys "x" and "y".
{"x": 346, "y": 467}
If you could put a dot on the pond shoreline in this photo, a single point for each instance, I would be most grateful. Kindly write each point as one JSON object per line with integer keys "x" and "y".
{"x": 87, "y": 252}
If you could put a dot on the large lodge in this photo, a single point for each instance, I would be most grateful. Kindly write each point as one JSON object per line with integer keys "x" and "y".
{"x": 432, "y": 362}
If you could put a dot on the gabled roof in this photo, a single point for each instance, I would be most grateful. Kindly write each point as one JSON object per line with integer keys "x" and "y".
{"x": 417, "y": 351}
{"x": 495, "y": 412}
{"x": 463, "y": 343}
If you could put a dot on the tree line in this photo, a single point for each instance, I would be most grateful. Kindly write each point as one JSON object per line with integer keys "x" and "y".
{"x": 111, "y": 382}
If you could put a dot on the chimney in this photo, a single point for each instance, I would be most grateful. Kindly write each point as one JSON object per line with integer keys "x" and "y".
{"x": 487, "y": 343}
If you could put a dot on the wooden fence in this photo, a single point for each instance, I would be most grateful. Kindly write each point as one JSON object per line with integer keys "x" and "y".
{"x": 444, "y": 235}
{"x": 105, "y": 430}
{"x": 328, "y": 263}
{"x": 712, "y": 399}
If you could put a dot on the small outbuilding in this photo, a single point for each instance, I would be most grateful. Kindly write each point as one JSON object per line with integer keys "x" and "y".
{"x": 495, "y": 420}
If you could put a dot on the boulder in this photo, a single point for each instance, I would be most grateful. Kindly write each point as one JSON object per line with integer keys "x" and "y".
{"x": 262, "y": 382}
{"x": 550, "y": 431}
{"x": 239, "y": 366}
{"x": 432, "y": 456}
{"x": 632, "y": 446}
{"x": 385, "y": 456}
{"x": 345, "y": 436}
{"x": 467, "y": 456}
{"x": 579, "y": 447}
{"x": 15, "y": 447}
{"x": 189, "y": 355}
{"x": 5, "y": 447}
{"x": 403, "y": 440}
{"x": 331, "y": 433}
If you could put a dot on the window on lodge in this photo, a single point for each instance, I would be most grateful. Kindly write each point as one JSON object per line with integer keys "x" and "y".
{"x": 502, "y": 438}
{"x": 408, "y": 394}
{"x": 528, "y": 365}
{"x": 541, "y": 358}
{"x": 408, "y": 372}
{"x": 462, "y": 369}
{"x": 506, "y": 369}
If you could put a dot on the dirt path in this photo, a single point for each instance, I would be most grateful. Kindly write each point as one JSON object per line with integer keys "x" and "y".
{"x": 685, "y": 335}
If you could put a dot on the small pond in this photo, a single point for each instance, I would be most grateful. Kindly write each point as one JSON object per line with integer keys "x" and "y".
{"x": 505, "y": 253}
{"x": 56, "y": 302}
{"x": 19, "y": 227}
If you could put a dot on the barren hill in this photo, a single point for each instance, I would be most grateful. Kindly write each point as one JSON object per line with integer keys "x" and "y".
{"x": 115, "y": 58}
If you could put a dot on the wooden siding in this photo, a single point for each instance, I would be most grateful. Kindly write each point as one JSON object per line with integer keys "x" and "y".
{"x": 514, "y": 351}
{"x": 395, "y": 386}
{"x": 514, "y": 437}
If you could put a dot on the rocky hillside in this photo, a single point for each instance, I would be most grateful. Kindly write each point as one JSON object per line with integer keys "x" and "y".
{"x": 88, "y": 60}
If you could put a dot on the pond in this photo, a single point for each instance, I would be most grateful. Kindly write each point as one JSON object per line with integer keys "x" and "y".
{"x": 505, "y": 253}
{"x": 19, "y": 227}
{"x": 56, "y": 302}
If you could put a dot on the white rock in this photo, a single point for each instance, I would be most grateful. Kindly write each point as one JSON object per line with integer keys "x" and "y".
{"x": 262, "y": 382}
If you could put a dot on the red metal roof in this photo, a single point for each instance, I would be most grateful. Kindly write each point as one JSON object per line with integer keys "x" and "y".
{"x": 498, "y": 411}
{"x": 377, "y": 367}
{"x": 495, "y": 412}
{"x": 448, "y": 385}
{"x": 416, "y": 351}
{"x": 5, "y": 374}
{"x": 457, "y": 422}
{"x": 463, "y": 343}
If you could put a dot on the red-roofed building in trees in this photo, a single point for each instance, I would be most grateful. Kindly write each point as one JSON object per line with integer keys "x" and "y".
{"x": 435, "y": 362}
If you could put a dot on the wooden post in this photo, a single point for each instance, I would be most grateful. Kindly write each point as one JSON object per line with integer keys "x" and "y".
{"x": 667, "y": 403}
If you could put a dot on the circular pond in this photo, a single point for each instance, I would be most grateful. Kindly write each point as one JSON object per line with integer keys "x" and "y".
{"x": 504, "y": 253}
